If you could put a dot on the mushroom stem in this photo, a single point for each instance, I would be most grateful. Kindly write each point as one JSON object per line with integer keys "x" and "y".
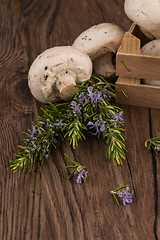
{"x": 103, "y": 65}
{"x": 65, "y": 83}
{"x": 48, "y": 81}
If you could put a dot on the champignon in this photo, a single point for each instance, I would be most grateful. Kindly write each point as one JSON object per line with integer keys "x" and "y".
{"x": 100, "y": 42}
{"x": 56, "y": 71}
{"x": 146, "y": 14}
{"x": 152, "y": 48}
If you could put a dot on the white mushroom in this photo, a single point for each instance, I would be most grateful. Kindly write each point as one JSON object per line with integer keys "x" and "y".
{"x": 103, "y": 65}
{"x": 153, "y": 49}
{"x": 56, "y": 71}
{"x": 146, "y": 14}
{"x": 99, "y": 42}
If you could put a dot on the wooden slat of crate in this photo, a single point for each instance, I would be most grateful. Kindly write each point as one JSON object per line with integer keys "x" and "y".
{"x": 141, "y": 66}
{"x": 133, "y": 64}
{"x": 138, "y": 94}
{"x": 130, "y": 44}
{"x": 130, "y": 91}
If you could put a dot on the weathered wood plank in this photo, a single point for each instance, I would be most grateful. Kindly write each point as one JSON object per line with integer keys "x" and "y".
{"x": 44, "y": 204}
{"x": 154, "y": 132}
{"x": 141, "y": 167}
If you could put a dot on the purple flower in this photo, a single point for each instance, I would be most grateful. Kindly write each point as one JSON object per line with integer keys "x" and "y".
{"x": 59, "y": 123}
{"x": 93, "y": 125}
{"x": 82, "y": 98}
{"x": 75, "y": 107}
{"x": 91, "y": 94}
{"x": 46, "y": 124}
{"x": 98, "y": 125}
{"x": 126, "y": 196}
{"x": 53, "y": 138}
{"x": 45, "y": 152}
{"x": 95, "y": 96}
{"x": 82, "y": 176}
{"x": 119, "y": 117}
{"x": 32, "y": 132}
{"x": 102, "y": 128}
{"x": 41, "y": 123}
{"x": 45, "y": 155}
{"x": 32, "y": 149}
{"x": 98, "y": 97}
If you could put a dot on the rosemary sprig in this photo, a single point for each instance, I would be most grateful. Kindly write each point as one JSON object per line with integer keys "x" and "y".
{"x": 77, "y": 169}
{"x": 38, "y": 142}
{"x": 90, "y": 111}
{"x": 154, "y": 144}
{"x": 123, "y": 194}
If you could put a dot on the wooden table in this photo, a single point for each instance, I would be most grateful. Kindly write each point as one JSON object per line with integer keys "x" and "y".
{"x": 43, "y": 204}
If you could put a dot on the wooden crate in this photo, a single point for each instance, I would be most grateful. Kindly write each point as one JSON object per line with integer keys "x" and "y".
{"x": 132, "y": 67}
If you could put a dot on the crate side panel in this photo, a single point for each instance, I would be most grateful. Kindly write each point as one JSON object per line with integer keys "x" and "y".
{"x": 138, "y": 66}
{"x": 138, "y": 95}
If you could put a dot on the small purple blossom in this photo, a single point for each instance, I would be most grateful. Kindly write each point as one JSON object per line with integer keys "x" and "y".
{"x": 33, "y": 132}
{"x": 59, "y": 123}
{"x": 119, "y": 117}
{"x": 94, "y": 96}
{"x": 95, "y": 126}
{"x": 47, "y": 124}
{"x": 42, "y": 123}
{"x": 78, "y": 169}
{"x": 31, "y": 148}
{"x": 82, "y": 98}
{"x": 102, "y": 128}
{"x": 82, "y": 176}
{"x": 98, "y": 125}
{"x": 91, "y": 94}
{"x": 125, "y": 195}
{"x": 45, "y": 153}
{"x": 75, "y": 107}
{"x": 98, "y": 97}
{"x": 53, "y": 138}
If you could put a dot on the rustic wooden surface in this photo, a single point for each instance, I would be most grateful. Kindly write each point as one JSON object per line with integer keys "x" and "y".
{"x": 43, "y": 204}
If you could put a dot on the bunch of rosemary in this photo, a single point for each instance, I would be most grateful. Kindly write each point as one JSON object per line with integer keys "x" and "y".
{"x": 89, "y": 111}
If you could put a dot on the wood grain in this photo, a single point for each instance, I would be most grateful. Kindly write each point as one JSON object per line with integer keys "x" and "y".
{"x": 43, "y": 204}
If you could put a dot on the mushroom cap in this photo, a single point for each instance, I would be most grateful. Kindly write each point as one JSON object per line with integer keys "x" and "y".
{"x": 152, "y": 48}
{"x": 145, "y": 13}
{"x": 99, "y": 39}
{"x": 51, "y": 64}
